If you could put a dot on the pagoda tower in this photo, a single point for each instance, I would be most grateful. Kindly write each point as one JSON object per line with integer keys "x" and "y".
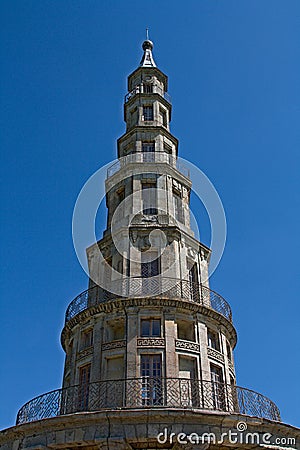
{"x": 149, "y": 345}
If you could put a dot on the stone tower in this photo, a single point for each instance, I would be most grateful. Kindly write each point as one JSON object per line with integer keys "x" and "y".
{"x": 149, "y": 346}
{"x": 150, "y": 264}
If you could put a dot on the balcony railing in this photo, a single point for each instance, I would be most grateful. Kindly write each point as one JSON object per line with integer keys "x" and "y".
{"x": 148, "y": 392}
{"x": 139, "y": 287}
{"x": 140, "y": 90}
{"x": 152, "y": 157}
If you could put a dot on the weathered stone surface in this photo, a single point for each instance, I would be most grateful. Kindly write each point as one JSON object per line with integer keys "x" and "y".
{"x": 126, "y": 429}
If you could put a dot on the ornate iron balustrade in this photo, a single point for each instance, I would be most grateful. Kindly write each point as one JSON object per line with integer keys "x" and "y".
{"x": 148, "y": 393}
{"x": 155, "y": 157}
{"x": 140, "y": 90}
{"x": 139, "y": 287}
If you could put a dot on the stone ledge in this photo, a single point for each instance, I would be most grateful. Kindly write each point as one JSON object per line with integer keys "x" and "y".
{"x": 105, "y": 428}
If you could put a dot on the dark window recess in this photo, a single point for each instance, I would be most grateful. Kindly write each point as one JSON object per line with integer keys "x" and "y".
{"x": 229, "y": 353}
{"x": 218, "y": 393}
{"x": 193, "y": 282}
{"x": 163, "y": 117}
{"x": 120, "y": 206}
{"x": 83, "y": 391}
{"x": 148, "y": 113}
{"x": 149, "y": 198}
{"x": 148, "y": 88}
{"x": 178, "y": 207}
{"x": 150, "y": 328}
{"x": 213, "y": 340}
{"x": 148, "y": 149}
{"x": 151, "y": 392}
{"x": 150, "y": 282}
{"x": 86, "y": 339}
{"x": 151, "y": 268}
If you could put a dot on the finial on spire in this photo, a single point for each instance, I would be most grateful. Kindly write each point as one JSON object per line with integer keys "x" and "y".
{"x": 147, "y": 59}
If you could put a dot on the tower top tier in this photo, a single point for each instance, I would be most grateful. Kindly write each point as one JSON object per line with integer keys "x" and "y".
{"x": 147, "y": 68}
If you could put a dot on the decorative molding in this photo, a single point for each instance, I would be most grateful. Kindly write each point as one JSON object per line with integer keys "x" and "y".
{"x": 187, "y": 345}
{"x": 231, "y": 366}
{"x": 113, "y": 345}
{"x": 83, "y": 353}
{"x": 150, "y": 342}
{"x": 214, "y": 354}
{"x": 152, "y": 218}
{"x": 192, "y": 253}
{"x": 176, "y": 185}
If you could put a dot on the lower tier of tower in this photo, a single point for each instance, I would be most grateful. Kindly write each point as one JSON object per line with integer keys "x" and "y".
{"x": 151, "y": 429}
{"x": 159, "y": 338}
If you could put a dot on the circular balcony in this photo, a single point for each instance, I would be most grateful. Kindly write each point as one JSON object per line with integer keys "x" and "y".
{"x": 154, "y": 89}
{"x": 160, "y": 287}
{"x": 147, "y": 392}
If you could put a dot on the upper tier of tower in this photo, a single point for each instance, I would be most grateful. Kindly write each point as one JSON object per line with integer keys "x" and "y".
{"x": 147, "y": 109}
{"x": 147, "y": 180}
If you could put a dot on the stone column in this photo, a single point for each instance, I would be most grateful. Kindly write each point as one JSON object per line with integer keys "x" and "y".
{"x": 202, "y": 333}
{"x": 131, "y": 334}
{"x": 97, "y": 351}
{"x": 226, "y": 365}
{"x": 170, "y": 337}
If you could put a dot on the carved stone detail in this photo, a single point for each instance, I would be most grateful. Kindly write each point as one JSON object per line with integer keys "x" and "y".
{"x": 187, "y": 345}
{"x": 191, "y": 252}
{"x": 185, "y": 192}
{"x": 214, "y": 354}
{"x": 177, "y": 185}
{"x": 113, "y": 345}
{"x": 151, "y": 342}
{"x": 149, "y": 219}
{"x": 86, "y": 352}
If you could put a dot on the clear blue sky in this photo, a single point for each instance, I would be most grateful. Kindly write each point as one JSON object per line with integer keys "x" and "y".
{"x": 233, "y": 70}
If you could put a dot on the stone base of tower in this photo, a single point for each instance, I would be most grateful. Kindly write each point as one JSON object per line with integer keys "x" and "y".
{"x": 151, "y": 429}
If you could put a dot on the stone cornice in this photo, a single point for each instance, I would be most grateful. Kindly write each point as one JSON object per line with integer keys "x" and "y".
{"x": 138, "y": 128}
{"x": 180, "y": 232}
{"x": 154, "y": 95}
{"x": 134, "y": 168}
{"x": 155, "y": 417}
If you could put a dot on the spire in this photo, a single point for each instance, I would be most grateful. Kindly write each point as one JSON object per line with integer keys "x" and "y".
{"x": 147, "y": 59}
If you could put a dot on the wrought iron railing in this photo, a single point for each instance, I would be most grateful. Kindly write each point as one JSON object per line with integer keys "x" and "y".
{"x": 149, "y": 393}
{"x": 156, "y": 157}
{"x": 140, "y": 90}
{"x": 138, "y": 287}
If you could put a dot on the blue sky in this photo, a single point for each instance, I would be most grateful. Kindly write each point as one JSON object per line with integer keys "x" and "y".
{"x": 233, "y": 70}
